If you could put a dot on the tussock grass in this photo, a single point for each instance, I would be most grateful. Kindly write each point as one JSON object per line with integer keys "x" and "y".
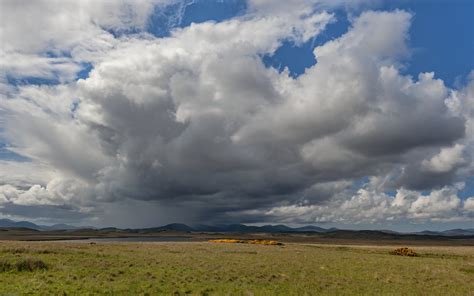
{"x": 5, "y": 266}
{"x": 30, "y": 264}
{"x": 25, "y": 264}
{"x": 28, "y": 251}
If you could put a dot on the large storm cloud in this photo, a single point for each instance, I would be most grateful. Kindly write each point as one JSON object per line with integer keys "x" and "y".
{"x": 195, "y": 122}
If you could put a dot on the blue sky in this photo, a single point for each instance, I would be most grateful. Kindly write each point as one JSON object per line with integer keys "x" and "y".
{"x": 441, "y": 34}
{"x": 440, "y": 40}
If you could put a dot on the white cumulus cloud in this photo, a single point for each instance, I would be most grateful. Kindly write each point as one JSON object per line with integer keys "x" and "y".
{"x": 196, "y": 122}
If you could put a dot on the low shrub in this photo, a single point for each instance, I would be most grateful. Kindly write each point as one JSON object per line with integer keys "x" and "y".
{"x": 242, "y": 241}
{"x": 265, "y": 242}
{"x": 5, "y": 266}
{"x": 30, "y": 264}
{"x": 227, "y": 241}
{"x": 17, "y": 250}
{"x": 404, "y": 252}
{"x": 28, "y": 251}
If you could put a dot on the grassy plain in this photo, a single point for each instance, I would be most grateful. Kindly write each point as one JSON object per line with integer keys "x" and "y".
{"x": 203, "y": 268}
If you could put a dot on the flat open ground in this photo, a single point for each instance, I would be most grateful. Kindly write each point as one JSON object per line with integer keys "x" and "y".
{"x": 202, "y": 268}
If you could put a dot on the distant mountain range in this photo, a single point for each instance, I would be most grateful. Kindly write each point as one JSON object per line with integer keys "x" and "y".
{"x": 235, "y": 228}
{"x": 240, "y": 228}
{"x": 450, "y": 232}
{"x": 7, "y": 223}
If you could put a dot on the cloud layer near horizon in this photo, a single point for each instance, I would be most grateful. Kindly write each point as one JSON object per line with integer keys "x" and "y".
{"x": 196, "y": 123}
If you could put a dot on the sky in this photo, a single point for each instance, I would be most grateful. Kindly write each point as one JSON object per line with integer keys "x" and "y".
{"x": 351, "y": 114}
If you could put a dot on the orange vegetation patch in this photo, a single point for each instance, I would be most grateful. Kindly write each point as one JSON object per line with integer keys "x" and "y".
{"x": 242, "y": 241}
{"x": 404, "y": 252}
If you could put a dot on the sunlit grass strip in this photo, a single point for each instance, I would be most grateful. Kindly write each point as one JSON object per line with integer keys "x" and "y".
{"x": 241, "y": 241}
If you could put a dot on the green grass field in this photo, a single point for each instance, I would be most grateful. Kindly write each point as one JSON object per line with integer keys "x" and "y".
{"x": 231, "y": 269}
